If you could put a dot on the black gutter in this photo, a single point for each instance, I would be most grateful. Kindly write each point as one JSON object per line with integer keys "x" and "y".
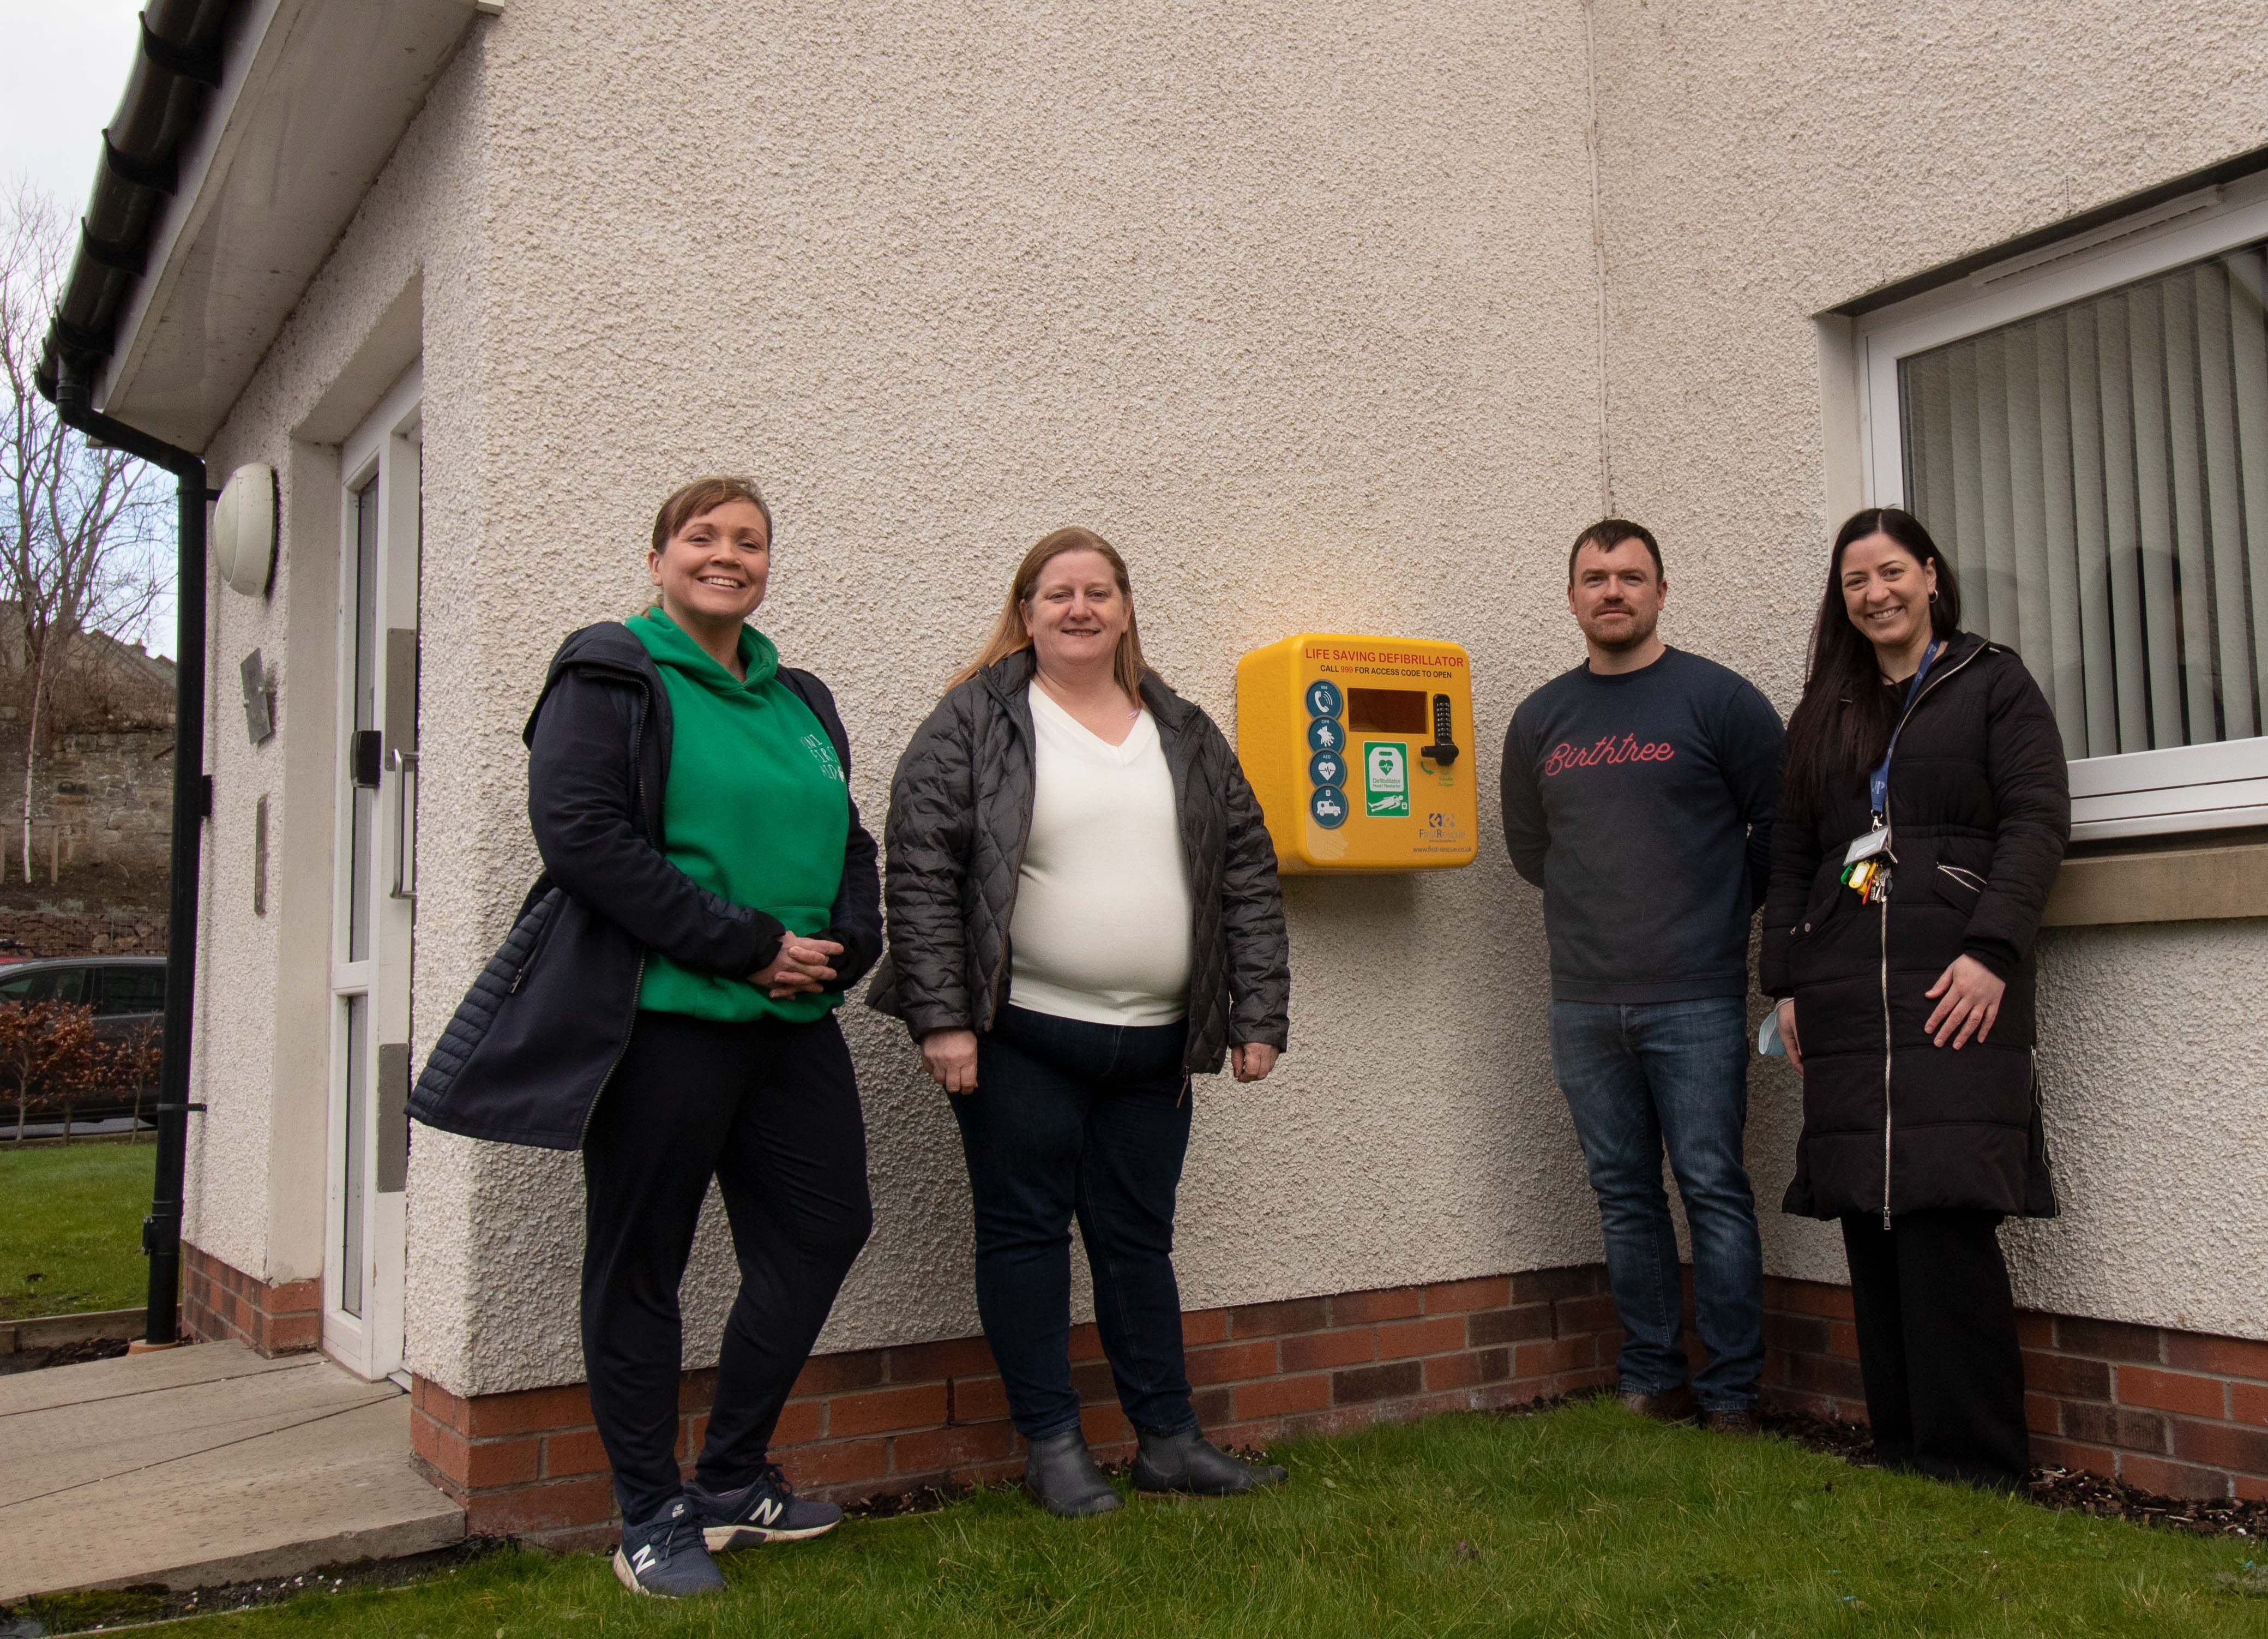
{"x": 173, "y": 78}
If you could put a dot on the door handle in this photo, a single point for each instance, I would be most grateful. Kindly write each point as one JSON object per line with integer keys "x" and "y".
{"x": 404, "y": 764}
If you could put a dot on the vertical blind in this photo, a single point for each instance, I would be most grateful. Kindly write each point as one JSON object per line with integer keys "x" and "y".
{"x": 2099, "y": 476}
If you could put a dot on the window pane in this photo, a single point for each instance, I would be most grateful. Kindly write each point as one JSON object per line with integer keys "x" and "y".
{"x": 2099, "y": 476}
{"x": 134, "y": 989}
{"x": 362, "y": 829}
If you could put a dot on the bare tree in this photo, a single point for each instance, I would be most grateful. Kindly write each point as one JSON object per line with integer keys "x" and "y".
{"x": 83, "y": 529}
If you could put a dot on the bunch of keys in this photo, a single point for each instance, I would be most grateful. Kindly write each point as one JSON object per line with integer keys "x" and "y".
{"x": 1867, "y": 879}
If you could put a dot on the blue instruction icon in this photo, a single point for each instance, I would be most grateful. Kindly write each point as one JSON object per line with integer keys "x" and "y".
{"x": 1327, "y": 807}
{"x": 1326, "y": 768}
{"x": 1325, "y": 735}
{"x": 1323, "y": 700}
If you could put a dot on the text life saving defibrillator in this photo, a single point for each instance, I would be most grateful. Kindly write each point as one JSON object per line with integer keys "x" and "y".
{"x": 1360, "y": 750}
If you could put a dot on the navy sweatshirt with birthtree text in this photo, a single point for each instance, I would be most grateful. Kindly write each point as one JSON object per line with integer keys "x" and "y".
{"x": 1641, "y": 803}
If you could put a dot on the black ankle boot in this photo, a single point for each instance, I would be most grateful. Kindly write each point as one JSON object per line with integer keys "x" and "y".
{"x": 1190, "y": 1462}
{"x": 1064, "y": 1480}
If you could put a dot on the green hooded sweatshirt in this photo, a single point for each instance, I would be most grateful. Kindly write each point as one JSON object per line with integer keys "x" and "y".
{"x": 756, "y": 811}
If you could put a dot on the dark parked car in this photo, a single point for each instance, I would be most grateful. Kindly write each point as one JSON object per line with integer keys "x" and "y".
{"x": 128, "y": 994}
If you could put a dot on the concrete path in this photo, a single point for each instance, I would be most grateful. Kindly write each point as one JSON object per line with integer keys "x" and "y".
{"x": 204, "y": 1465}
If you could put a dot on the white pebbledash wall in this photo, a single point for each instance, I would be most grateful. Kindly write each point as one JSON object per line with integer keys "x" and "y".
{"x": 1297, "y": 304}
{"x": 262, "y": 1060}
{"x": 1765, "y": 163}
{"x": 1291, "y": 302}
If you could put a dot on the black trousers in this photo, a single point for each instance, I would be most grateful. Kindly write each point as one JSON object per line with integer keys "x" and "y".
{"x": 1093, "y": 1120}
{"x": 770, "y": 1111}
{"x": 1937, "y": 1345}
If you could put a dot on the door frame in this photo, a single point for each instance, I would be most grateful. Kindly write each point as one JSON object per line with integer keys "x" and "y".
{"x": 363, "y": 1329}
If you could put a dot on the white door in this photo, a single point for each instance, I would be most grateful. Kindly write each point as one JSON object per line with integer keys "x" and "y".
{"x": 374, "y": 887}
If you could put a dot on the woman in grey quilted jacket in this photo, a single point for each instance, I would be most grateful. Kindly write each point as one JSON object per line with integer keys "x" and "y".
{"x": 1083, "y": 913}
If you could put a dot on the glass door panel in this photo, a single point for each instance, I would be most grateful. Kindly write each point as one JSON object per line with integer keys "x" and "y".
{"x": 374, "y": 893}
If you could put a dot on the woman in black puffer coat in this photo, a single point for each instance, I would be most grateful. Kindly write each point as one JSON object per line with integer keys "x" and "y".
{"x": 1907, "y": 1002}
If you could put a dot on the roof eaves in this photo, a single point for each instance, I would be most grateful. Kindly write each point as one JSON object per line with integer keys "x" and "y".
{"x": 169, "y": 90}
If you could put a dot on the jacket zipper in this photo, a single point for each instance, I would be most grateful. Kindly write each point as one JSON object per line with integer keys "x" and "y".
{"x": 1928, "y": 689}
{"x": 1189, "y": 875}
{"x": 1903, "y": 717}
{"x": 1016, "y": 880}
{"x": 1886, "y": 1058}
{"x": 637, "y": 986}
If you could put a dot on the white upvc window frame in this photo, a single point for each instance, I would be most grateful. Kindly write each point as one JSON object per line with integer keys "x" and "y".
{"x": 2181, "y": 789}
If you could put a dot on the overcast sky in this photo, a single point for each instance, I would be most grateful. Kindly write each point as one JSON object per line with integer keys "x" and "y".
{"x": 61, "y": 76}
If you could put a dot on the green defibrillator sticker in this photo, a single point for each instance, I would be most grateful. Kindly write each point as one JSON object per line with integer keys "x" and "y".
{"x": 1385, "y": 779}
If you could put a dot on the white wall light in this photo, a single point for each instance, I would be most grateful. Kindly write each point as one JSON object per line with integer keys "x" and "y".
{"x": 243, "y": 538}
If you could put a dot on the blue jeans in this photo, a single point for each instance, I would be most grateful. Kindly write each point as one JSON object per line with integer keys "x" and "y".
{"x": 1639, "y": 1078}
{"x": 1074, "y": 1119}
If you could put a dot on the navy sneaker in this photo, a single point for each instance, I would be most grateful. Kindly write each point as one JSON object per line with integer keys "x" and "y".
{"x": 763, "y": 1511}
{"x": 666, "y": 1557}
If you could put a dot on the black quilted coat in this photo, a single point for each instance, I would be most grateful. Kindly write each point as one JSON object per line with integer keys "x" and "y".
{"x": 960, "y": 807}
{"x": 1980, "y": 808}
{"x": 532, "y": 1043}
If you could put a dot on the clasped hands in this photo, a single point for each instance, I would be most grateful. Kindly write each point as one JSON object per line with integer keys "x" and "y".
{"x": 804, "y": 967}
{"x": 950, "y": 1057}
{"x": 1968, "y": 996}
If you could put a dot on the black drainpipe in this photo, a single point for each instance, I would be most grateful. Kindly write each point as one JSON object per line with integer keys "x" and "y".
{"x": 161, "y": 1231}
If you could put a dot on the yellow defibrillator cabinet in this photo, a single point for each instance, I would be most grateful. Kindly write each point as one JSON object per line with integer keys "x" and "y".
{"x": 1360, "y": 750}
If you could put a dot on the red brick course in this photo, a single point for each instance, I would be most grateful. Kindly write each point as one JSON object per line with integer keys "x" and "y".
{"x": 530, "y": 1465}
{"x": 221, "y": 1303}
{"x": 2179, "y": 1413}
{"x": 2172, "y": 1412}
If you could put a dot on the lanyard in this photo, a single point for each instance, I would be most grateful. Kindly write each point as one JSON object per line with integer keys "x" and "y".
{"x": 1878, "y": 783}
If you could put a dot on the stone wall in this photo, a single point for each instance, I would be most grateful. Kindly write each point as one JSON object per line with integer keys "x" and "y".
{"x": 71, "y": 927}
{"x": 111, "y": 790}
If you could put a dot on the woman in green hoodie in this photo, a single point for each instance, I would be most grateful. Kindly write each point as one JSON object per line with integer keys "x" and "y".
{"x": 711, "y": 894}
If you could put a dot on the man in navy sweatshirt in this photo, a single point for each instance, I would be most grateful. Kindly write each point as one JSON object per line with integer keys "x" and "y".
{"x": 1637, "y": 794}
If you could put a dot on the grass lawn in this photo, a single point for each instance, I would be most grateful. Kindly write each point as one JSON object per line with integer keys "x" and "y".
{"x": 1582, "y": 1521}
{"x": 70, "y": 1227}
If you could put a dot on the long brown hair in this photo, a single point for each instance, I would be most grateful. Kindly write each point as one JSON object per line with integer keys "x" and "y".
{"x": 1845, "y": 718}
{"x": 1011, "y": 636}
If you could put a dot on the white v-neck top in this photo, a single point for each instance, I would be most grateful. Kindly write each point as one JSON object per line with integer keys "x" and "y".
{"x": 1101, "y": 927}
